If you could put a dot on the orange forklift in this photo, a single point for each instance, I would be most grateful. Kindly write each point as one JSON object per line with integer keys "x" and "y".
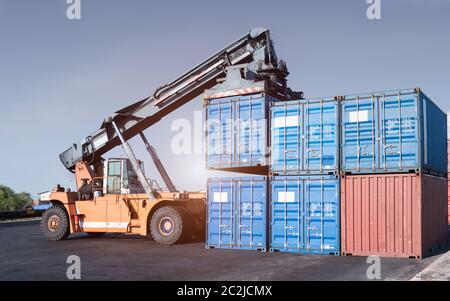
{"x": 114, "y": 195}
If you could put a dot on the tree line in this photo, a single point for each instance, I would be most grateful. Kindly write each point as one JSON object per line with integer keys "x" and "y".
{"x": 10, "y": 200}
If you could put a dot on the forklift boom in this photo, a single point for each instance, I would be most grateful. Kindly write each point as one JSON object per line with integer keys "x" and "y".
{"x": 255, "y": 50}
{"x": 248, "y": 64}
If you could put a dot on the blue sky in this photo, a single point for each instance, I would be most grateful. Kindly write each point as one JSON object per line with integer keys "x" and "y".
{"x": 60, "y": 78}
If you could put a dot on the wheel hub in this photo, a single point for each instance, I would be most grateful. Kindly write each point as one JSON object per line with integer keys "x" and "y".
{"x": 166, "y": 226}
{"x": 53, "y": 223}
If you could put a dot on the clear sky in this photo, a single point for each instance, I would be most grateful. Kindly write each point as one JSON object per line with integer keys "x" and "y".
{"x": 60, "y": 78}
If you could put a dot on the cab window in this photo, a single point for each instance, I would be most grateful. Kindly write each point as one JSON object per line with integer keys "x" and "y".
{"x": 114, "y": 173}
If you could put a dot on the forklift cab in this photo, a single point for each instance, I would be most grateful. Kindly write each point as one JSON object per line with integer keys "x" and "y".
{"x": 120, "y": 177}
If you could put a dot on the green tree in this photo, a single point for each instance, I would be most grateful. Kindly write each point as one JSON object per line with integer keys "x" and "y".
{"x": 23, "y": 199}
{"x": 10, "y": 200}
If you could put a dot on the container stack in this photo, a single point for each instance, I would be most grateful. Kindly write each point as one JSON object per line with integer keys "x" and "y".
{"x": 354, "y": 175}
{"x": 394, "y": 168}
{"x": 304, "y": 177}
{"x": 237, "y": 141}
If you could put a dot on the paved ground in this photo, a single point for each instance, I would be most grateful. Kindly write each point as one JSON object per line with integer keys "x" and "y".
{"x": 439, "y": 270}
{"x": 24, "y": 255}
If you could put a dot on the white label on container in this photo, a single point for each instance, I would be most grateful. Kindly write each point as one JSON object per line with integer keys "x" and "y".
{"x": 359, "y": 116}
{"x": 279, "y": 122}
{"x": 220, "y": 197}
{"x": 286, "y": 196}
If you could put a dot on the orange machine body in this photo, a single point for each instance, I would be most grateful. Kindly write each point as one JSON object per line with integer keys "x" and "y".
{"x": 125, "y": 213}
{"x": 119, "y": 212}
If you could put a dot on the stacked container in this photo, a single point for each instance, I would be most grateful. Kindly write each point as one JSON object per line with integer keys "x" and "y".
{"x": 305, "y": 214}
{"x": 393, "y": 132}
{"x": 304, "y": 176}
{"x": 237, "y": 135}
{"x": 237, "y": 141}
{"x": 237, "y": 213}
{"x": 393, "y": 163}
{"x": 393, "y": 215}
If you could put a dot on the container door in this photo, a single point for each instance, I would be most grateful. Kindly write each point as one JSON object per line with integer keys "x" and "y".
{"x": 399, "y": 132}
{"x": 250, "y": 133}
{"x": 287, "y": 214}
{"x": 220, "y": 213}
{"x": 219, "y": 133}
{"x": 359, "y": 149}
{"x": 320, "y": 128}
{"x": 286, "y": 138}
{"x": 321, "y": 215}
{"x": 251, "y": 200}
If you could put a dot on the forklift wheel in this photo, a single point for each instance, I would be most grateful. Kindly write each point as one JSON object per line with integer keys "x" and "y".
{"x": 55, "y": 223}
{"x": 166, "y": 225}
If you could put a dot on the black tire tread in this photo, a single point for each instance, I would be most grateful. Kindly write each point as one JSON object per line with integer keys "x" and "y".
{"x": 64, "y": 218}
{"x": 174, "y": 212}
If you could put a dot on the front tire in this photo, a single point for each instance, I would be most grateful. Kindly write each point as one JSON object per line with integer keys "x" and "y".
{"x": 55, "y": 223}
{"x": 166, "y": 225}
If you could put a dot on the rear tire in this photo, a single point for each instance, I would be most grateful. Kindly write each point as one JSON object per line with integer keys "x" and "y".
{"x": 55, "y": 223}
{"x": 166, "y": 225}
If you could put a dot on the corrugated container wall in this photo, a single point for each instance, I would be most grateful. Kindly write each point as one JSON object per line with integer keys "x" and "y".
{"x": 393, "y": 215}
{"x": 448, "y": 151}
{"x": 237, "y": 131}
{"x": 398, "y": 131}
{"x": 305, "y": 214}
{"x": 305, "y": 137}
{"x": 237, "y": 213}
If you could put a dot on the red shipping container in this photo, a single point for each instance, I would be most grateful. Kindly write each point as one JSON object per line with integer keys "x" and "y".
{"x": 393, "y": 215}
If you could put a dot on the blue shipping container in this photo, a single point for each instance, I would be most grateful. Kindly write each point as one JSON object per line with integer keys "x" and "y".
{"x": 396, "y": 131}
{"x": 237, "y": 133}
{"x": 237, "y": 213}
{"x": 305, "y": 214}
{"x": 305, "y": 136}
{"x": 41, "y": 207}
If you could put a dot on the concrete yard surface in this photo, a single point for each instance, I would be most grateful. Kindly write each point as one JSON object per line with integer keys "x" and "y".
{"x": 439, "y": 270}
{"x": 25, "y": 255}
